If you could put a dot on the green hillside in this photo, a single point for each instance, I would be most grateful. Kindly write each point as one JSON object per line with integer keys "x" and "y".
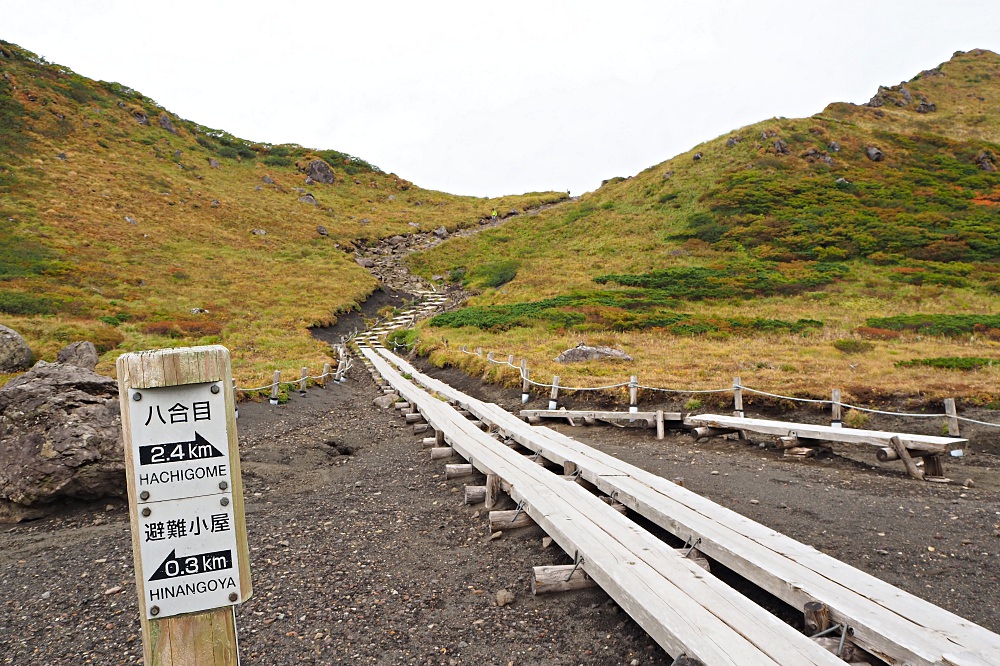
{"x": 126, "y": 225}
{"x": 793, "y": 252}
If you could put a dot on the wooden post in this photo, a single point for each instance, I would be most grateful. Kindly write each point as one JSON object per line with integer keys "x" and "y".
{"x": 236, "y": 403}
{"x": 439, "y": 437}
{"x": 525, "y": 383}
{"x": 510, "y": 359}
{"x": 737, "y": 397}
{"x": 904, "y": 455}
{"x": 302, "y": 381}
{"x": 633, "y": 394}
{"x": 440, "y": 452}
{"x": 339, "y": 375}
{"x": 489, "y": 357}
{"x": 195, "y": 378}
{"x": 554, "y": 394}
{"x": 816, "y": 617}
{"x": 835, "y": 417}
{"x": 479, "y": 351}
{"x": 659, "y": 424}
{"x": 274, "y": 387}
{"x": 492, "y": 490}
{"x": 326, "y": 375}
{"x": 949, "y": 409}
{"x": 419, "y": 428}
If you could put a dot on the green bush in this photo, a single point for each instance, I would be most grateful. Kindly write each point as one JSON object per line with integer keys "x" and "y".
{"x": 940, "y": 324}
{"x": 949, "y": 363}
{"x": 853, "y": 346}
{"x": 493, "y": 275}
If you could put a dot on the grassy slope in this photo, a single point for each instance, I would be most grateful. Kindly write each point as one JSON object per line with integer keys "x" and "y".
{"x": 102, "y": 216}
{"x": 716, "y": 262}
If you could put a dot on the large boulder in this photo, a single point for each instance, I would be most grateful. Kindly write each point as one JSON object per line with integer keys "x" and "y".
{"x": 14, "y": 351}
{"x": 320, "y": 172}
{"x": 60, "y": 439}
{"x": 81, "y": 354}
{"x": 584, "y": 352}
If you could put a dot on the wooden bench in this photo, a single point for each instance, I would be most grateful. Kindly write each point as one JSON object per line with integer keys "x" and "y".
{"x": 899, "y": 627}
{"x": 892, "y": 445}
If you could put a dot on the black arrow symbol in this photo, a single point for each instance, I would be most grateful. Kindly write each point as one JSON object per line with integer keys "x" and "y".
{"x": 197, "y": 449}
{"x": 191, "y": 565}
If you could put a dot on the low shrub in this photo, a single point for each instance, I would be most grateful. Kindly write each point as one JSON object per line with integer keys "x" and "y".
{"x": 853, "y": 346}
{"x": 937, "y": 324}
{"x": 19, "y": 303}
{"x": 873, "y": 333}
{"x": 949, "y": 363}
{"x": 184, "y": 328}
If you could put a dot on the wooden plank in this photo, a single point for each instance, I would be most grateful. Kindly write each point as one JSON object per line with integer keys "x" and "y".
{"x": 648, "y": 417}
{"x": 886, "y": 619}
{"x": 647, "y": 578}
{"x": 852, "y": 435}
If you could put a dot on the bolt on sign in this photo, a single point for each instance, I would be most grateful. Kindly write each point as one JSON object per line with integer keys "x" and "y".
{"x": 185, "y": 492}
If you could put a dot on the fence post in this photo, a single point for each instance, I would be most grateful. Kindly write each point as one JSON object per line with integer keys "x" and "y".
{"x": 737, "y": 397}
{"x": 525, "y": 382}
{"x": 836, "y": 421}
{"x": 302, "y": 381}
{"x": 274, "y": 387}
{"x": 236, "y": 404}
{"x": 633, "y": 394}
{"x": 510, "y": 359}
{"x": 949, "y": 409}
{"x": 326, "y": 374}
{"x": 489, "y": 357}
{"x": 554, "y": 394}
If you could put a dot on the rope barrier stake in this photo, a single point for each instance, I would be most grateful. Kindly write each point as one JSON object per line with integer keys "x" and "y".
{"x": 554, "y": 395}
{"x": 836, "y": 417}
{"x": 274, "y": 387}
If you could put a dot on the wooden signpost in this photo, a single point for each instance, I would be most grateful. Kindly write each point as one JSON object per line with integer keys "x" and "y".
{"x": 185, "y": 503}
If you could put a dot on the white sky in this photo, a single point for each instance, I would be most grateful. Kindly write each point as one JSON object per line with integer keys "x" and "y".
{"x": 492, "y": 98}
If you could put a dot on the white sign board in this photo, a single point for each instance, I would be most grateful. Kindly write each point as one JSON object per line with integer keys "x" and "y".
{"x": 180, "y": 463}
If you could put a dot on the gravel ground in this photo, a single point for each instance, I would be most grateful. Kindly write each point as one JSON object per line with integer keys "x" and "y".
{"x": 362, "y": 553}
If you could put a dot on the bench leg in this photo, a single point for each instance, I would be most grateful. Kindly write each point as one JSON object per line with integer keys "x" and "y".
{"x": 933, "y": 466}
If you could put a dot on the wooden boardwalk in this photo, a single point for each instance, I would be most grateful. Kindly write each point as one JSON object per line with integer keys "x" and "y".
{"x": 686, "y": 610}
{"x": 898, "y": 627}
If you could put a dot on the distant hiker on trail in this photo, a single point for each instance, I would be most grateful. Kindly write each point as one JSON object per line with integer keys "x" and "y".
{"x": 493, "y": 215}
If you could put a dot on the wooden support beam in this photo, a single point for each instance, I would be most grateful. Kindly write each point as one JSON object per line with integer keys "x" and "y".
{"x": 705, "y": 431}
{"x": 492, "y": 490}
{"x": 659, "y": 424}
{"x": 442, "y": 452}
{"x": 414, "y": 418}
{"x": 559, "y": 578}
{"x": 458, "y": 471}
{"x": 888, "y": 454}
{"x": 554, "y": 393}
{"x": 475, "y": 494}
{"x": 904, "y": 455}
{"x": 428, "y": 442}
{"x": 419, "y": 428}
{"x": 510, "y": 519}
{"x": 789, "y": 442}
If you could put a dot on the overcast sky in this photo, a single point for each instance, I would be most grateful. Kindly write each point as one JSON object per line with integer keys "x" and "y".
{"x": 492, "y": 98}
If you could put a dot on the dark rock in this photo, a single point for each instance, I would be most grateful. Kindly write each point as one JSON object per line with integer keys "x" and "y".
{"x": 781, "y": 147}
{"x": 214, "y": 163}
{"x": 697, "y": 156}
{"x": 833, "y": 146}
{"x": 60, "y": 437}
{"x": 441, "y": 232}
{"x": 82, "y": 354}
{"x": 177, "y": 154}
{"x": 307, "y": 198}
{"x": 320, "y": 171}
{"x": 216, "y": 203}
{"x": 874, "y": 154}
{"x": 167, "y": 124}
{"x": 926, "y": 107}
{"x": 140, "y": 117}
{"x": 397, "y": 241}
{"x": 14, "y": 351}
{"x": 365, "y": 262}
{"x": 61, "y": 156}
{"x": 258, "y": 232}
{"x": 268, "y": 180}
{"x": 732, "y": 141}
{"x": 985, "y": 161}
{"x": 322, "y": 231}
{"x": 584, "y": 352}
{"x": 668, "y": 175}
{"x": 130, "y": 219}
{"x": 392, "y": 198}
{"x": 309, "y": 180}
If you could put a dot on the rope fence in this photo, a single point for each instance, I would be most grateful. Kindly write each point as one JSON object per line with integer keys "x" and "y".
{"x": 737, "y": 389}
